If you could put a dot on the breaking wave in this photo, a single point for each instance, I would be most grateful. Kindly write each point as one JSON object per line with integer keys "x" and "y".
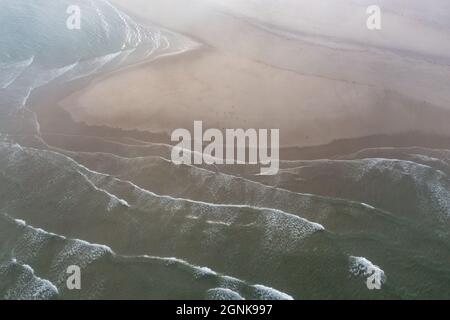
{"x": 130, "y": 219}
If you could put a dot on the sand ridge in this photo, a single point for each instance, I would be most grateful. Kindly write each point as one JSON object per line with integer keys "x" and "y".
{"x": 252, "y": 73}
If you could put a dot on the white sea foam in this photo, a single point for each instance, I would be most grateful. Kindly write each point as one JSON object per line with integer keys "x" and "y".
{"x": 367, "y": 206}
{"x": 114, "y": 200}
{"x": 76, "y": 252}
{"x": 223, "y": 294}
{"x": 125, "y": 21}
{"x": 267, "y": 293}
{"x": 198, "y": 271}
{"x": 10, "y": 72}
{"x": 90, "y": 67}
{"x": 227, "y": 224}
{"x": 229, "y": 284}
{"x": 204, "y": 271}
{"x": 101, "y": 247}
{"x": 105, "y": 24}
{"x": 39, "y": 77}
{"x": 27, "y": 286}
{"x": 23, "y": 98}
{"x": 312, "y": 226}
{"x": 362, "y": 267}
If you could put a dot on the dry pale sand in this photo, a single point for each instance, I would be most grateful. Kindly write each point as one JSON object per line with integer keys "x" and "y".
{"x": 262, "y": 69}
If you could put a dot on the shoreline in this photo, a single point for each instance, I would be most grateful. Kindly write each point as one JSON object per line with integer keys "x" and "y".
{"x": 137, "y": 74}
{"x": 228, "y": 89}
{"x": 71, "y": 99}
{"x": 44, "y": 104}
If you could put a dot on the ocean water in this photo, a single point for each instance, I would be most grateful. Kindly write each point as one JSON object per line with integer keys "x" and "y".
{"x": 37, "y": 47}
{"x": 140, "y": 227}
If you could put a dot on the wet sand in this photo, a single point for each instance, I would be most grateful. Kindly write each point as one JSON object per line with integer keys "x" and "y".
{"x": 256, "y": 75}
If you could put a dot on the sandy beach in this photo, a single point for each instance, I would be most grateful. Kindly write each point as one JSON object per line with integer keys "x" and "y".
{"x": 95, "y": 204}
{"x": 259, "y": 69}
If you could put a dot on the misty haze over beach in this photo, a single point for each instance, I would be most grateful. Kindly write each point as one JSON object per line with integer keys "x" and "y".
{"x": 87, "y": 178}
{"x": 309, "y": 67}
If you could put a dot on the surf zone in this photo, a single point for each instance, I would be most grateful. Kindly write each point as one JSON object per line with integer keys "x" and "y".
{"x": 236, "y": 146}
